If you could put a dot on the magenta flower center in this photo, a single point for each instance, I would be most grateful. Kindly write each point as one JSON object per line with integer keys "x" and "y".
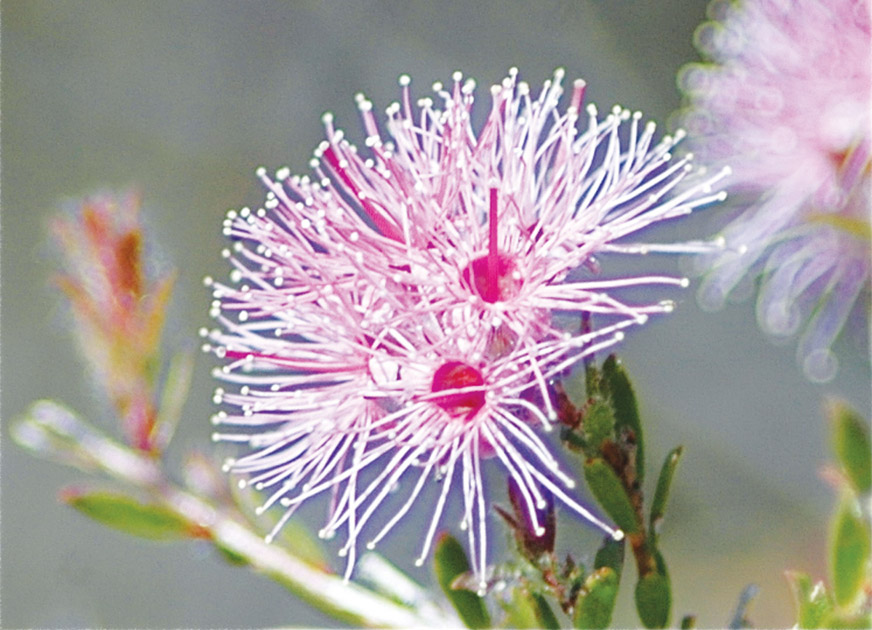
{"x": 457, "y": 375}
{"x": 492, "y": 278}
{"x": 492, "y": 275}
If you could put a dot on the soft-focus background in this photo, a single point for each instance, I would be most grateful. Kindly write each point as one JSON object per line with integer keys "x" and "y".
{"x": 182, "y": 100}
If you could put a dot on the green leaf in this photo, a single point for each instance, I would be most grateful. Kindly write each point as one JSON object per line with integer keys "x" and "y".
{"x": 611, "y": 555}
{"x": 813, "y": 602}
{"x": 625, "y": 408}
{"x": 853, "y": 622}
{"x": 599, "y": 423}
{"x": 127, "y": 514}
{"x": 653, "y": 600}
{"x": 230, "y": 556}
{"x": 595, "y": 603}
{"x": 664, "y": 482}
{"x": 450, "y": 562}
{"x": 610, "y": 493}
{"x": 520, "y": 610}
{"x": 544, "y": 614}
{"x": 849, "y": 551}
{"x": 851, "y": 444}
{"x": 688, "y": 622}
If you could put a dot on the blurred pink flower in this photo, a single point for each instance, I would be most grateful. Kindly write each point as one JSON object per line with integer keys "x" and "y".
{"x": 396, "y": 312}
{"x": 785, "y": 100}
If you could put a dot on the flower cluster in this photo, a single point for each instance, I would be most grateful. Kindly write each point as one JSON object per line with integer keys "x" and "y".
{"x": 394, "y": 314}
{"x": 785, "y": 99}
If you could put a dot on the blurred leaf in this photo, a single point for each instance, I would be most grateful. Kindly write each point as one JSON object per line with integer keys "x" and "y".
{"x": 594, "y": 606}
{"x": 653, "y": 600}
{"x": 544, "y": 614}
{"x": 298, "y": 539}
{"x": 520, "y": 610}
{"x": 849, "y": 551}
{"x": 860, "y": 621}
{"x": 154, "y": 311}
{"x": 599, "y": 423}
{"x": 127, "y": 514}
{"x": 664, "y": 482}
{"x": 230, "y": 556}
{"x": 851, "y": 444}
{"x": 42, "y": 441}
{"x": 610, "y": 493}
{"x": 450, "y": 562}
{"x": 813, "y": 602}
{"x": 173, "y": 397}
{"x": 688, "y": 622}
{"x": 625, "y": 408}
{"x": 611, "y": 555}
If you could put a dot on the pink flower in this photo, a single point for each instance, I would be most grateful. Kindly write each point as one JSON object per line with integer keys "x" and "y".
{"x": 785, "y": 100}
{"x": 488, "y": 224}
{"x": 389, "y": 317}
{"x": 327, "y": 404}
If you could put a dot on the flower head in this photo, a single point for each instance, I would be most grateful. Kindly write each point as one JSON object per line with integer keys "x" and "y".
{"x": 394, "y": 314}
{"x": 329, "y": 406}
{"x": 785, "y": 99}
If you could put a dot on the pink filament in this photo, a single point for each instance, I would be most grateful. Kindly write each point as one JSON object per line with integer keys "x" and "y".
{"x": 492, "y": 288}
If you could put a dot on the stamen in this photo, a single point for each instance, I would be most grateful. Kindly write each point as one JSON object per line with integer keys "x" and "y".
{"x": 492, "y": 288}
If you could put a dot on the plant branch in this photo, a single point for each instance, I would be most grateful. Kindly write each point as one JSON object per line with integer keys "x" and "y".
{"x": 54, "y": 432}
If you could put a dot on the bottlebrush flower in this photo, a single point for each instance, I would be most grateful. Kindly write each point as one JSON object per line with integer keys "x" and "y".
{"x": 492, "y": 223}
{"x": 399, "y": 308}
{"x": 337, "y": 400}
{"x": 785, "y": 99}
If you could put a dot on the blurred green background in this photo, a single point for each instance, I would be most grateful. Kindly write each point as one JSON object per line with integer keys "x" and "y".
{"x": 182, "y": 100}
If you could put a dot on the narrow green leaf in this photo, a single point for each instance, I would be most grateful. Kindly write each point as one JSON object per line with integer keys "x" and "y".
{"x": 592, "y": 378}
{"x": 851, "y": 444}
{"x": 610, "y": 493}
{"x": 611, "y": 555}
{"x": 653, "y": 600}
{"x": 450, "y": 561}
{"x": 849, "y": 551}
{"x": 813, "y": 602}
{"x": 125, "y": 513}
{"x": 572, "y": 440}
{"x": 230, "y": 556}
{"x": 596, "y": 602}
{"x": 664, "y": 482}
{"x": 599, "y": 423}
{"x": 625, "y": 408}
{"x": 544, "y": 614}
